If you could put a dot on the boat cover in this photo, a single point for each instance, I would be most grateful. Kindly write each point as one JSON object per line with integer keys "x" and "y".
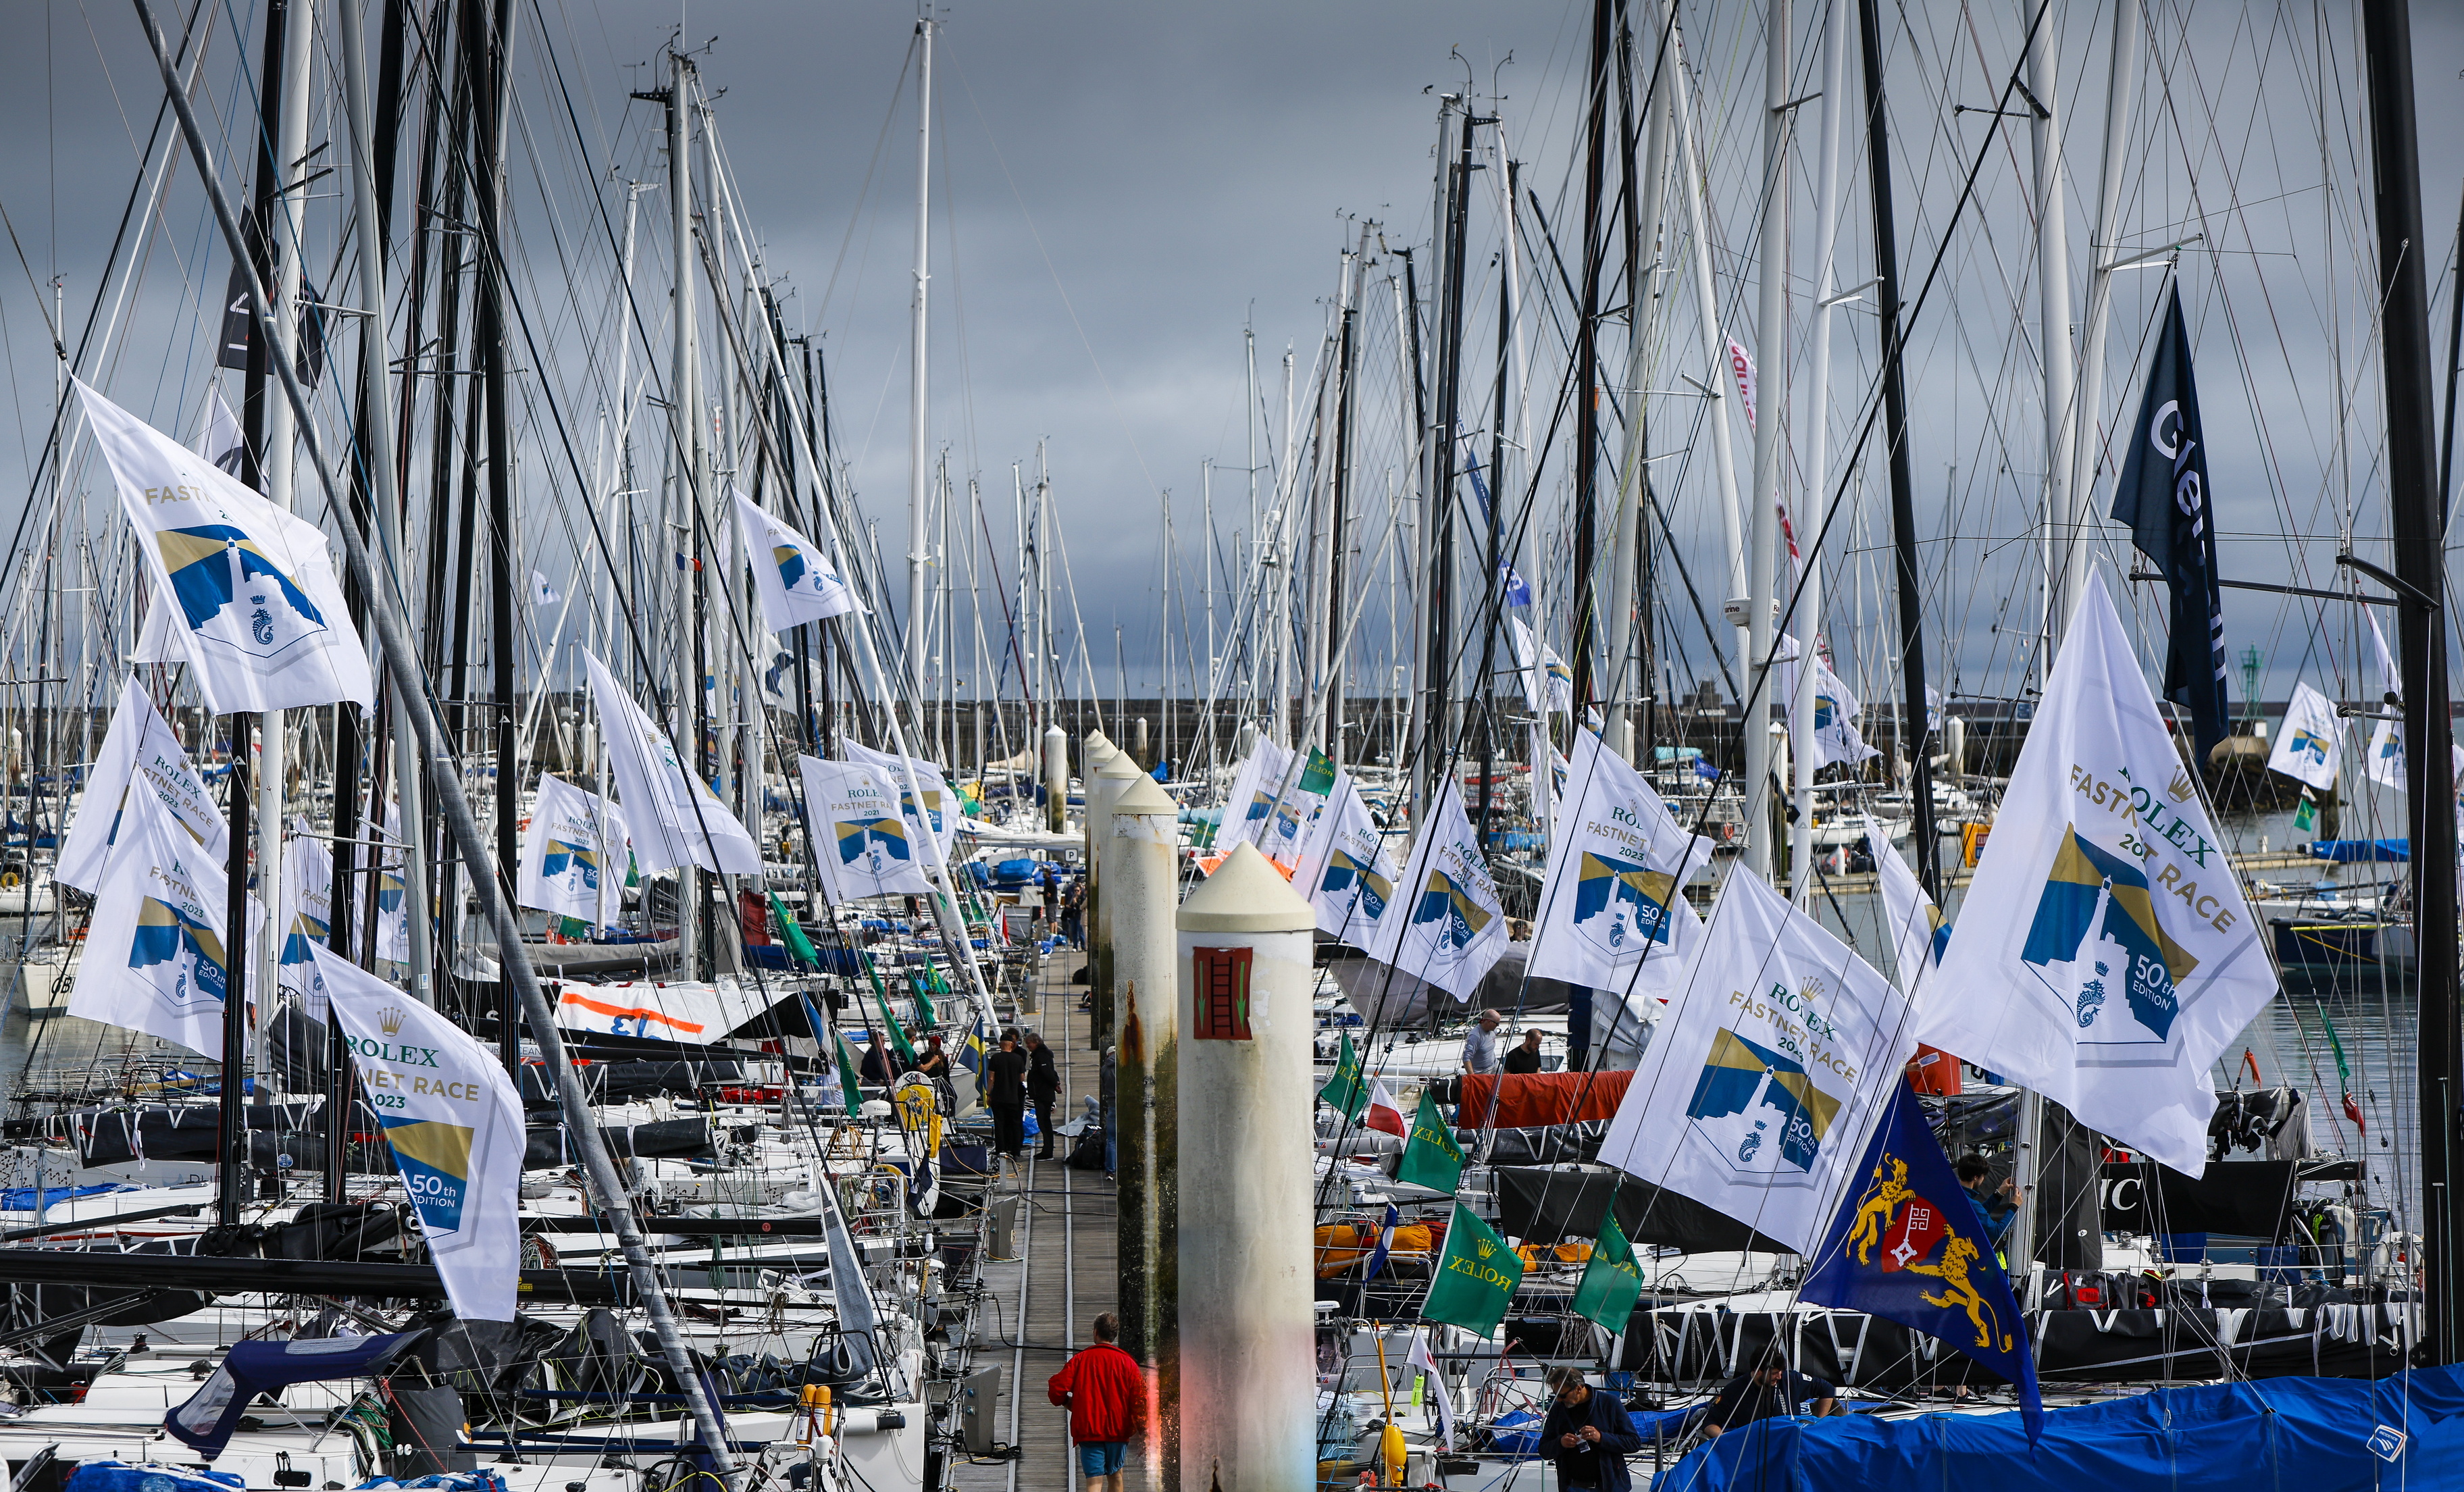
{"x": 2345, "y": 852}
{"x": 2320, "y": 1435}
{"x": 1535, "y": 1098}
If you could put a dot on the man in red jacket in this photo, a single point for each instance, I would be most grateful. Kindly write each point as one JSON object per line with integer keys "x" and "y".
{"x": 1105, "y": 1396}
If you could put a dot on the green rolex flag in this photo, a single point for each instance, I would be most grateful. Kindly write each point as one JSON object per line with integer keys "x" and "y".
{"x": 898, "y": 1042}
{"x": 1317, "y": 778}
{"x": 798, "y": 946}
{"x": 1610, "y": 1282}
{"x": 1431, "y": 1157}
{"x": 851, "y": 1086}
{"x": 1476, "y": 1278}
{"x": 1345, "y": 1090}
{"x": 925, "y": 1014}
{"x": 871, "y": 973}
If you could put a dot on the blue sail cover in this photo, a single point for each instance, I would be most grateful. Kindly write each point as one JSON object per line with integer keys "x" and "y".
{"x": 2318, "y": 1434}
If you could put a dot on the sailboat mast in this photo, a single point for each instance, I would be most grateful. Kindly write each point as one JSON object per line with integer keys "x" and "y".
{"x": 918, "y": 424}
{"x": 2065, "y": 558}
{"x": 685, "y": 395}
{"x": 1585, "y": 634}
{"x": 1817, "y": 431}
{"x": 2418, "y": 531}
{"x": 1914, "y": 716}
{"x": 491, "y": 49}
{"x": 1770, "y": 342}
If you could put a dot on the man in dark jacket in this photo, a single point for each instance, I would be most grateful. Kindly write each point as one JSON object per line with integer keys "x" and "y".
{"x": 1588, "y": 1435}
{"x": 1006, "y": 1095}
{"x": 1043, "y": 1086}
{"x": 1771, "y": 1389}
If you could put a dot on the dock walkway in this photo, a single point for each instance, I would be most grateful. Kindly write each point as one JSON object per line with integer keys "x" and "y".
{"x": 1065, "y": 1277}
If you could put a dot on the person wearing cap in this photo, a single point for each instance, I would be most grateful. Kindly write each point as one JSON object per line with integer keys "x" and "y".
{"x": 1480, "y": 1043}
{"x": 1043, "y": 1086}
{"x": 1588, "y": 1434}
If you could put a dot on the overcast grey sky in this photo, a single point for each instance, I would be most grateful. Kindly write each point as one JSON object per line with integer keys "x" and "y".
{"x": 1119, "y": 187}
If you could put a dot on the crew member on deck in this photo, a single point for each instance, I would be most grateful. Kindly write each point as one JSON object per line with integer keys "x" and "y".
{"x": 1526, "y": 1057}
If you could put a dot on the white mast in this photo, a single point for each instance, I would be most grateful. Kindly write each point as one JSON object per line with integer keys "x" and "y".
{"x": 919, "y": 419}
{"x": 273, "y": 767}
{"x": 1690, "y": 165}
{"x": 1808, "y": 614}
{"x": 2120, "y": 82}
{"x": 2063, "y": 575}
{"x": 1771, "y": 344}
{"x": 1631, "y": 530}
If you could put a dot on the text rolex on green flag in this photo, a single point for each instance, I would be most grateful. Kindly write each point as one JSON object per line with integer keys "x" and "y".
{"x": 1611, "y": 1283}
{"x": 1345, "y": 1090}
{"x": 1476, "y": 1278}
{"x": 1431, "y": 1157}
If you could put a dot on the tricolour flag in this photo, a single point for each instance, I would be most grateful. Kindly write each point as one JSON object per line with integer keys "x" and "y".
{"x": 791, "y": 574}
{"x": 1385, "y": 1248}
{"x": 1431, "y": 1157}
{"x": 2310, "y": 740}
{"x": 2120, "y": 959}
{"x": 572, "y": 854}
{"x": 1450, "y": 928}
{"x": 863, "y": 845}
{"x": 939, "y": 814}
{"x": 154, "y": 958}
{"x": 1612, "y": 914}
{"x": 1906, "y": 1246}
{"x": 674, "y": 818}
{"x": 1385, "y": 1112}
{"x": 1769, "y": 1070}
{"x": 1345, "y": 870}
{"x": 2163, "y": 495}
{"x": 246, "y": 590}
{"x": 1476, "y": 1277}
{"x": 139, "y": 754}
{"x": 455, "y": 1127}
{"x": 1610, "y": 1282}
{"x": 1344, "y": 1091}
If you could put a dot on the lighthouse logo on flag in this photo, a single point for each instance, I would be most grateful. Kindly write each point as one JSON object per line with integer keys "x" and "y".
{"x": 577, "y": 866}
{"x": 1618, "y": 902}
{"x": 180, "y": 955}
{"x": 1758, "y": 1110}
{"x": 1461, "y": 918}
{"x": 230, "y": 593}
{"x": 2097, "y": 946}
{"x": 1344, "y": 874}
{"x": 871, "y": 841}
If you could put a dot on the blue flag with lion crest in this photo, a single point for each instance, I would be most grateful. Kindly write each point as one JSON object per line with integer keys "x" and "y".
{"x": 1908, "y": 1247}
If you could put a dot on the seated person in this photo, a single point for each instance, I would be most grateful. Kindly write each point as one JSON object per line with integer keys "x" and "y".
{"x": 1524, "y": 1058}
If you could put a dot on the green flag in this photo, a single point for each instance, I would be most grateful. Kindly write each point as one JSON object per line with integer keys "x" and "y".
{"x": 851, "y": 1086}
{"x": 870, "y": 973}
{"x": 1317, "y": 778}
{"x": 1431, "y": 1157}
{"x": 1611, "y": 1283}
{"x": 798, "y": 946}
{"x": 1345, "y": 1090}
{"x": 898, "y": 1040}
{"x": 1476, "y": 1278}
{"x": 925, "y": 1014}
{"x": 2305, "y": 817}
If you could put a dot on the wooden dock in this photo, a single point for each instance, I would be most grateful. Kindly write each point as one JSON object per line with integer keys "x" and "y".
{"x": 1066, "y": 1235}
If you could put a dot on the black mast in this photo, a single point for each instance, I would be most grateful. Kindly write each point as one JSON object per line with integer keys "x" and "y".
{"x": 1587, "y": 368}
{"x": 1437, "y": 736}
{"x": 490, "y": 51}
{"x": 2419, "y": 537}
{"x": 1346, "y": 360}
{"x": 1914, "y": 737}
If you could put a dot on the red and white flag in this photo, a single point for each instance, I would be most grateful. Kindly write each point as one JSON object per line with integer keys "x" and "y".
{"x": 1384, "y": 1112}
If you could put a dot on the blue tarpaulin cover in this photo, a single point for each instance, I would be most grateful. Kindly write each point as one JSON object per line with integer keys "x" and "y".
{"x": 2345, "y": 852}
{"x": 2319, "y": 1435}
